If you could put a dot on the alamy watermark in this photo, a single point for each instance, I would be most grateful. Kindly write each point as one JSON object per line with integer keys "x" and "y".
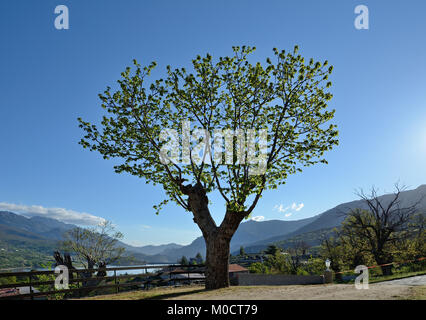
{"x": 225, "y": 147}
{"x": 362, "y": 277}
{"x": 362, "y": 18}
{"x": 62, "y": 20}
{"x": 62, "y": 280}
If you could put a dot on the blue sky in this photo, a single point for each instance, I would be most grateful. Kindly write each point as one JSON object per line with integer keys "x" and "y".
{"x": 50, "y": 77}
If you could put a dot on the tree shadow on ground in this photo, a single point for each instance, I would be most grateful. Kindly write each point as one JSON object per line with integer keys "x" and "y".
{"x": 175, "y": 294}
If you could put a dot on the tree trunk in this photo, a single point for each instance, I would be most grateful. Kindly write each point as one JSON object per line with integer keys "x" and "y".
{"x": 217, "y": 238}
{"x": 387, "y": 270}
{"x": 336, "y": 268}
{"x": 218, "y": 250}
{"x": 383, "y": 259}
{"x": 66, "y": 261}
{"x": 217, "y": 262}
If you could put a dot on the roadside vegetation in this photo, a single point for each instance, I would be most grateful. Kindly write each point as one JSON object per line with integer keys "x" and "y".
{"x": 385, "y": 234}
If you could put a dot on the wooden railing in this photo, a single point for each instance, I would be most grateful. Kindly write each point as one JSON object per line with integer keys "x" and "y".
{"x": 83, "y": 288}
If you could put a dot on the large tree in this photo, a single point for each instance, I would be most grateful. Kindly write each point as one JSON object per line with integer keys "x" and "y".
{"x": 284, "y": 100}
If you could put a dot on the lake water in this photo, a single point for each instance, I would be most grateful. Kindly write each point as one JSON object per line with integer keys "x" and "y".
{"x": 109, "y": 273}
{"x": 135, "y": 271}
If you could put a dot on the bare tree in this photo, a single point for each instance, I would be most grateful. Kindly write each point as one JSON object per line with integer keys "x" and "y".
{"x": 304, "y": 247}
{"x": 384, "y": 223}
{"x": 95, "y": 246}
{"x": 64, "y": 260}
{"x": 296, "y": 254}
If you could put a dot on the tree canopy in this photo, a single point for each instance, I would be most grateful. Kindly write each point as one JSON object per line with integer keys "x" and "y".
{"x": 287, "y": 97}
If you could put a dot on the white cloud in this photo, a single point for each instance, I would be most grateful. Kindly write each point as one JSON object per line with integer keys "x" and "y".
{"x": 280, "y": 208}
{"x": 145, "y": 226}
{"x": 258, "y": 218}
{"x": 61, "y": 214}
{"x": 294, "y": 207}
{"x": 297, "y": 207}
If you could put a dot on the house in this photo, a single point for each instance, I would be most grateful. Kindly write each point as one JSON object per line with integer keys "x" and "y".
{"x": 235, "y": 269}
{"x": 8, "y": 292}
{"x": 27, "y": 290}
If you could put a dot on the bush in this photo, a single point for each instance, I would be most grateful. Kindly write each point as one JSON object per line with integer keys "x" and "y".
{"x": 314, "y": 266}
{"x": 301, "y": 272}
{"x": 258, "y": 267}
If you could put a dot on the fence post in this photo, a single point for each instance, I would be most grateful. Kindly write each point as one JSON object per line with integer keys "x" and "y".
{"x": 117, "y": 288}
{"x": 78, "y": 287}
{"x": 189, "y": 279}
{"x": 31, "y": 286}
{"x": 328, "y": 276}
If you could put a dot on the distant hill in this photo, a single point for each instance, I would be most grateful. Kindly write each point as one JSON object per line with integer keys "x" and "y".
{"x": 39, "y": 235}
{"x": 312, "y": 239}
{"x": 139, "y": 253}
{"x": 46, "y": 228}
{"x": 334, "y": 217}
{"x": 256, "y": 236}
{"x": 28, "y": 242}
{"x": 155, "y": 249}
{"x": 45, "y": 233}
{"x": 248, "y": 232}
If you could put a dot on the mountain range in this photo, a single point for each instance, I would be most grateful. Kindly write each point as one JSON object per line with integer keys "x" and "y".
{"x": 42, "y": 234}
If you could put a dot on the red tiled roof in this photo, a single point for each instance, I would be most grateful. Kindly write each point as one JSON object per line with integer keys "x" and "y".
{"x": 236, "y": 268}
{"x": 8, "y": 292}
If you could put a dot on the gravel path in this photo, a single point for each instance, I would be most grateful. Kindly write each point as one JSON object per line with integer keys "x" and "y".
{"x": 411, "y": 281}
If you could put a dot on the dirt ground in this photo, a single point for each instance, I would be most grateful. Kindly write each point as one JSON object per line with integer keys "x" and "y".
{"x": 376, "y": 291}
{"x": 307, "y": 292}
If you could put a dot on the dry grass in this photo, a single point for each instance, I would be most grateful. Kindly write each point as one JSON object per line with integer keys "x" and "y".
{"x": 418, "y": 293}
{"x": 300, "y": 292}
{"x": 155, "y": 293}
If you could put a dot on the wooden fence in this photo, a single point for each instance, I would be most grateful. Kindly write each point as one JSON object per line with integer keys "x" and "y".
{"x": 84, "y": 286}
